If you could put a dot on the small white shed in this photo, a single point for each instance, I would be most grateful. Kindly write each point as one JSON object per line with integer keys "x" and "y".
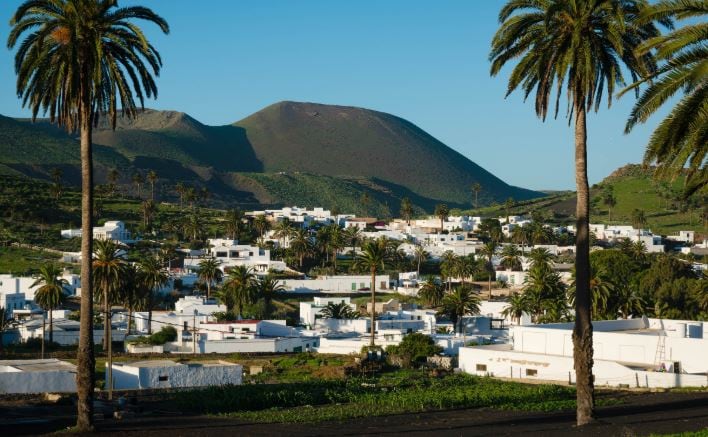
{"x": 169, "y": 374}
{"x": 37, "y": 376}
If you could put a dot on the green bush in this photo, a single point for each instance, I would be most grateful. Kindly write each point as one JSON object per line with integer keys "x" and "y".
{"x": 414, "y": 348}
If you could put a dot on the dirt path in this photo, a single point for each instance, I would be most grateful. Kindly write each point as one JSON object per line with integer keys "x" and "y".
{"x": 640, "y": 414}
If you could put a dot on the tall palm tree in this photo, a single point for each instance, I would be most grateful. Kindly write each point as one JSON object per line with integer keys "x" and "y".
{"x": 138, "y": 181}
{"x": 341, "y": 310}
{"x": 421, "y": 255}
{"x": 209, "y": 272}
{"x": 261, "y": 224}
{"x": 50, "y": 293}
{"x": 516, "y": 308}
{"x": 602, "y": 289}
{"x": 461, "y": 302}
{"x": 300, "y": 244}
{"x": 152, "y": 178}
{"x": 336, "y": 241}
{"x": 584, "y": 47}
{"x": 374, "y": 257}
{"x": 149, "y": 209}
{"x": 465, "y": 267}
{"x": 610, "y": 201}
{"x": 639, "y": 219}
{"x": 113, "y": 176}
{"x": 153, "y": 276}
{"x": 476, "y": 188}
{"x": 268, "y": 287}
{"x": 134, "y": 296}
{"x": 238, "y": 289}
{"x": 406, "y": 210}
{"x": 234, "y": 222}
{"x": 353, "y": 236}
{"x": 447, "y": 267}
{"x": 75, "y": 57}
{"x": 680, "y": 139}
{"x": 488, "y": 251}
{"x": 108, "y": 276}
{"x": 282, "y": 231}
{"x": 442, "y": 211}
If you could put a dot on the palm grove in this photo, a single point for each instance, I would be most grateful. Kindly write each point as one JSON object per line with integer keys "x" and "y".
{"x": 77, "y": 60}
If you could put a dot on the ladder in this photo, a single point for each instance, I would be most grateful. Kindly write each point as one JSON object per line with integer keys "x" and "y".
{"x": 660, "y": 348}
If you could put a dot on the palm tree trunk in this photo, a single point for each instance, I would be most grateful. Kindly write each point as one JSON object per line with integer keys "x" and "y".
{"x": 582, "y": 333}
{"x": 51, "y": 327}
{"x": 106, "y": 320}
{"x": 208, "y": 288}
{"x": 373, "y": 306}
{"x": 86, "y": 361}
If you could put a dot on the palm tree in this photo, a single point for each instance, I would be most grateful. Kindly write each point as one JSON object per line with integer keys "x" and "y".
{"x": 134, "y": 296}
{"x": 71, "y": 64}
{"x": 374, "y": 257}
{"x": 511, "y": 258}
{"x": 461, "y": 302}
{"x": 56, "y": 188}
{"x": 234, "y": 222}
{"x": 181, "y": 191}
{"x": 421, "y": 255}
{"x": 464, "y": 267}
{"x": 300, "y": 244}
{"x": 442, "y": 212}
{"x": 192, "y": 224}
{"x": 152, "y": 178}
{"x": 282, "y": 231}
{"x": 108, "y": 276}
{"x": 639, "y": 219}
{"x": 153, "y": 276}
{"x": 113, "y": 176}
{"x": 488, "y": 251}
{"x": 602, "y": 289}
{"x": 335, "y": 242}
{"x": 339, "y": 310}
{"x": 582, "y": 46}
{"x": 353, "y": 236}
{"x": 138, "y": 181}
{"x": 476, "y": 188}
{"x": 447, "y": 269}
{"x": 541, "y": 257}
{"x": 544, "y": 292}
{"x": 209, "y": 272}
{"x": 432, "y": 292}
{"x": 50, "y": 294}
{"x": 238, "y": 289}
{"x": 629, "y": 303}
{"x": 680, "y": 140}
{"x": 516, "y": 308}
{"x": 610, "y": 201}
{"x": 261, "y": 224}
{"x": 149, "y": 209}
{"x": 268, "y": 287}
{"x": 406, "y": 210}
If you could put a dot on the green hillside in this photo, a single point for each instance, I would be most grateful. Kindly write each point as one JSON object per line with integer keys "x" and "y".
{"x": 352, "y": 158}
{"x": 634, "y": 188}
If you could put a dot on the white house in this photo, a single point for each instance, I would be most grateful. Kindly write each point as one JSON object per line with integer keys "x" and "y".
{"x": 336, "y": 284}
{"x": 66, "y": 332}
{"x": 37, "y": 376}
{"x": 230, "y": 254}
{"x": 15, "y": 285}
{"x": 111, "y": 230}
{"x": 635, "y": 352}
{"x": 169, "y": 374}
{"x": 310, "y": 311}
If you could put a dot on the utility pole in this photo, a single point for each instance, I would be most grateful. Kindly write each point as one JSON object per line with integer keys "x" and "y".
{"x": 194, "y": 333}
{"x": 44, "y": 321}
{"x": 109, "y": 379}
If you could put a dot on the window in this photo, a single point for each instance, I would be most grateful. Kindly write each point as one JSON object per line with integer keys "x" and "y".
{"x": 353, "y": 286}
{"x": 250, "y": 253}
{"x": 221, "y": 254}
{"x": 162, "y": 378}
{"x": 383, "y": 285}
{"x": 531, "y": 372}
{"x": 481, "y": 367}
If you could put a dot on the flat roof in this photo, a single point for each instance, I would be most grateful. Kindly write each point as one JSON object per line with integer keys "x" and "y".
{"x": 168, "y": 363}
{"x": 48, "y": 365}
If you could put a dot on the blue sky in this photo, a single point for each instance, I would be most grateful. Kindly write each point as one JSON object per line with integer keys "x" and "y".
{"x": 425, "y": 61}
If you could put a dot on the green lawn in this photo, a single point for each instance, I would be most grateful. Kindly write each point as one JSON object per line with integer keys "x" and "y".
{"x": 20, "y": 261}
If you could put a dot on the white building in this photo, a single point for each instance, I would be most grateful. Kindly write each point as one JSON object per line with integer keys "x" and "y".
{"x": 111, "y": 230}
{"x": 230, "y": 254}
{"x": 336, "y": 284}
{"x": 635, "y": 352}
{"x": 310, "y": 311}
{"x": 66, "y": 332}
{"x": 14, "y": 285}
{"x": 169, "y": 374}
{"x": 37, "y": 376}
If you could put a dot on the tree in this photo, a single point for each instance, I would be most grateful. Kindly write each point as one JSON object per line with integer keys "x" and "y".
{"x": 639, "y": 219}
{"x": 335, "y": 241}
{"x": 508, "y": 204}
{"x": 149, "y": 209}
{"x": 138, "y": 181}
{"x": 50, "y": 293}
{"x": 476, "y": 188}
{"x": 261, "y": 224}
{"x": 268, "y": 287}
{"x": 432, "y": 292}
{"x": 209, "y": 272}
{"x": 238, "y": 289}
{"x": 108, "y": 275}
{"x": 192, "y": 224}
{"x": 421, "y": 256}
{"x": 602, "y": 290}
{"x": 234, "y": 222}
{"x": 442, "y": 212}
{"x": 152, "y": 178}
{"x": 511, "y": 258}
{"x": 516, "y": 308}
{"x": 300, "y": 244}
{"x": 282, "y": 231}
{"x": 338, "y": 310}
{"x": 406, "y": 210}
{"x": 679, "y": 141}
{"x": 181, "y": 191}
{"x": 134, "y": 296}
{"x": 415, "y": 348}
{"x": 153, "y": 276}
{"x": 71, "y": 64}
{"x": 488, "y": 251}
{"x": 583, "y": 46}
{"x": 113, "y": 176}
{"x": 374, "y": 257}
{"x": 56, "y": 188}
{"x": 461, "y": 302}
{"x": 353, "y": 236}
{"x": 610, "y": 201}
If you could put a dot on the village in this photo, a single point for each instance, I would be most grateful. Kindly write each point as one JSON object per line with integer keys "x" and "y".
{"x": 217, "y": 301}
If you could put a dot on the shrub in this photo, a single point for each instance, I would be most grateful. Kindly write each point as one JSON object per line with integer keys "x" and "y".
{"x": 414, "y": 348}
{"x": 164, "y": 335}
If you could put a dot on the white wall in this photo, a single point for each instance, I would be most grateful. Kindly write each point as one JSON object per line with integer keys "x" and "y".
{"x": 271, "y": 345}
{"x": 13, "y": 380}
{"x": 181, "y": 375}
